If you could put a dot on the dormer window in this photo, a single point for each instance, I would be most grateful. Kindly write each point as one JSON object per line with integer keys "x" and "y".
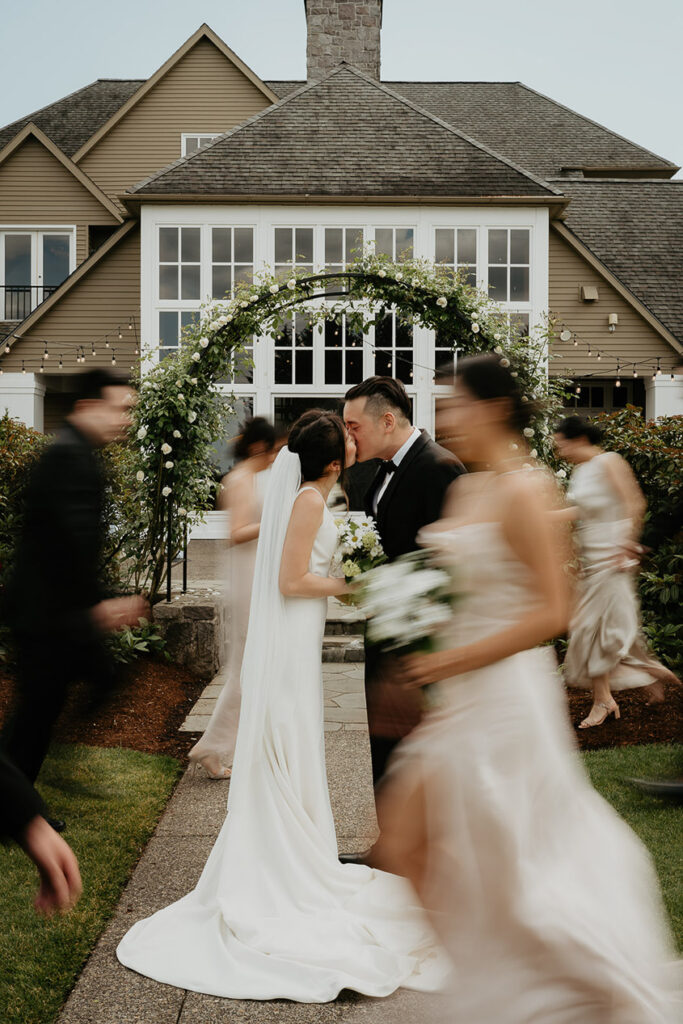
{"x": 192, "y": 141}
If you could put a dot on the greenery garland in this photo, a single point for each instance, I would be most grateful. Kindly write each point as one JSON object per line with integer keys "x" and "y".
{"x": 180, "y": 415}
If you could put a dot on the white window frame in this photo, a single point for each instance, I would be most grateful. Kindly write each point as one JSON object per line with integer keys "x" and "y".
{"x": 184, "y": 136}
{"x": 36, "y": 231}
{"x": 264, "y": 218}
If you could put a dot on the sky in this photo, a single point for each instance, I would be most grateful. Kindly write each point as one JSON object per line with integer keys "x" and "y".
{"x": 617, "y": 62}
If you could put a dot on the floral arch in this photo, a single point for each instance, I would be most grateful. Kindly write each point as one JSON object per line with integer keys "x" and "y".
{"x": 179, "y": 415}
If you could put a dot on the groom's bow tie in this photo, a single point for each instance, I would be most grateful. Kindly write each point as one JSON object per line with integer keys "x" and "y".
{"x": 385, "y": 469}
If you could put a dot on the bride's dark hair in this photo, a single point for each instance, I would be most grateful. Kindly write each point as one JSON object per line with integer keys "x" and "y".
{"x": 485, "y": 376}
{"x": 318, "y": 438}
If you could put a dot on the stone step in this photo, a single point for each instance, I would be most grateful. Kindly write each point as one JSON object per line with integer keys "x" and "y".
{"x": 344, "y": 627}
{"x": 343, "y": 648}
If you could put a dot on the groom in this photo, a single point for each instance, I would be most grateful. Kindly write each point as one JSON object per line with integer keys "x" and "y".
{"x": 406, "y": 494}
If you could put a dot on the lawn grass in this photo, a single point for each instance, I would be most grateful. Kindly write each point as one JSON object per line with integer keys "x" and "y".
{"x": 658, "y": 822}
{"x": 111, "y": 799}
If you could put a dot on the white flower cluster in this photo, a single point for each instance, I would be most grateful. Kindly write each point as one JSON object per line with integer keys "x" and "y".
{"x": 406, "y": 601}
{"x": 358, "y": 547}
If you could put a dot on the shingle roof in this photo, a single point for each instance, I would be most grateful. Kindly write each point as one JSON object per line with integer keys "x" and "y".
{"x": 71, "y": 121}
{"x": 346, "y": 135}
{"x": 529, "y": 129}
{"x": 636, "y": 229}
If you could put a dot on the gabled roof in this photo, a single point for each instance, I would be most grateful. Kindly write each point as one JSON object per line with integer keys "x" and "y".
{"x": 203, "y": 32}
{"x": 635, "y": 230}
{"x": 32, "y": 131}
{"x": 528, "y": 128}
{"x": 345, "y": 136}
{"x": 71, "y": 121}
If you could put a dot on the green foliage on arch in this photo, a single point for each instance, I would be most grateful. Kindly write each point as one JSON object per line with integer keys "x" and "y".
{"x": 179, "y": 414}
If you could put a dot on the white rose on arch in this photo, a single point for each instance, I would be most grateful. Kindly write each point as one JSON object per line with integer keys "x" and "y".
{"x": 168, "y": 464}
{"x": 139, "y": 476}
{"x": 196, "y": 357}
{"x": 442, "y": 301}
{"x": 142, "y": 433}
{"x": 274, "y": 289}
{"x": 166, "y": 491}
{"x": 192, "y": 416}
{"x": 528, "y": 431}
{"x": 505, "y": 362}
{"x": 176, "y": 433}
{"x": 475, "y": 327}
{"x": 204, "y": 342}
{"x": 166, "y": 448}
{"x": 291, "y": 284}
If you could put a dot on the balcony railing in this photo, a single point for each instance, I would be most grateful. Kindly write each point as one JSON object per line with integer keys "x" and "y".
{"x": 18, "y": 300}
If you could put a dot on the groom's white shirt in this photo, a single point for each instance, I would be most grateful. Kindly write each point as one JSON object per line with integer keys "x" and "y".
{"x": 397, "y": 459}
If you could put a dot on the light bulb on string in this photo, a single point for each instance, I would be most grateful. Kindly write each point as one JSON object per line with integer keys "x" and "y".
{"x": 92, "y": 346}
{"x": 113, "y": 357}
{"x": 120, "y": 335}
{"x": 659, "y": 369}
{"x": 46, "y": 354}
{"x": 61, "y": 364}
{"x": 42, "y": 368}
{"x": 590, "y": 353}
{"x": 106, "y": 341}
{"x": 673, "y": 375}
{"x": 599, "y": 357}
{"x": 7, "y": 349}
{"x": 635, "y": 372}
{"x": 130, "y": 323}
{"x": 578, "y": 389}
{"x": 23, "y": 368}
{"x": 576, "y": 342}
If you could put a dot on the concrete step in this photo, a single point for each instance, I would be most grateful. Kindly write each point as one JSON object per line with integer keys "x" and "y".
{"x": 344, "y": 627}
{"x": 343, "y": 648}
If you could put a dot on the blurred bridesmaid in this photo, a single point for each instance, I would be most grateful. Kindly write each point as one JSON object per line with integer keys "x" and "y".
{"x": 607, "y": 651}
{"x": 545, "y": 900}
{"x": 243, "y": 498}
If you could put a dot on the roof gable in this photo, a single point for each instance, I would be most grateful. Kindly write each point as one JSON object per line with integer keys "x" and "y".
{"x": 346, "y": 135}
{"x": 31, "y": 131}
{"x": 203, "y": 32}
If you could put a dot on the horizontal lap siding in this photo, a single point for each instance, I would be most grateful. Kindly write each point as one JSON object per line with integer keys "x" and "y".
{"x": 632, "y": 341}
{"x": 36, "y": 189}
{"x": 101, "y": 302}
{"x": 203, "y": 92}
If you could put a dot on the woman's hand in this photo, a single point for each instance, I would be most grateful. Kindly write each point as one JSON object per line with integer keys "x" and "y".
{"x": 417, "y": 670}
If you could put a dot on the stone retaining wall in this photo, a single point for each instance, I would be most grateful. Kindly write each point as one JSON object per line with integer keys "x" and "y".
{"x": 193, "y": 625}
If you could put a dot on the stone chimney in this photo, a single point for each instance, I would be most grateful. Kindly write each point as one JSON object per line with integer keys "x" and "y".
{"x": 341, "y": 30}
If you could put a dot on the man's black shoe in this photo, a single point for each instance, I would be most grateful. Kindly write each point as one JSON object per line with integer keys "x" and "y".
{"x": 56, "y": 824}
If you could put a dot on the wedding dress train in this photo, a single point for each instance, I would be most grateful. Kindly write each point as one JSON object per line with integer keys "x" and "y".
{"x": 274, "y": 914}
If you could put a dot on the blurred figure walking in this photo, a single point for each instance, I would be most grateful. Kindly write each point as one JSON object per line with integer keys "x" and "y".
{"x": 545, "y": 900}
{"x": 243, "y": 498}
{"x": 56, "y": 605}
{"x": 607, "y": 651}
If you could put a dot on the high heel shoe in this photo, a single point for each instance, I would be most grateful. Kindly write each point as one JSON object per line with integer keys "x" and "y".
{"x": 590, "y": 722}
{"x": 211, "y": 765}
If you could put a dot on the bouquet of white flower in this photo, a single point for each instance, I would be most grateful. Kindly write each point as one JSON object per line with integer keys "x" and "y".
{"x": 407, "y": 602}
{"x": 359, "y": 548}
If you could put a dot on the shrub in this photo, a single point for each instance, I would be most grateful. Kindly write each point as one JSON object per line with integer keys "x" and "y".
{"x": 654, "y": 450}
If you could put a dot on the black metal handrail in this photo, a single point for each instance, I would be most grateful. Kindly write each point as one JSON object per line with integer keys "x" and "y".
{"x": 18, "y": 300}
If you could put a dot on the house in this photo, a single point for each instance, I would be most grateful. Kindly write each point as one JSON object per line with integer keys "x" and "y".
{"x": 127, "y": 204}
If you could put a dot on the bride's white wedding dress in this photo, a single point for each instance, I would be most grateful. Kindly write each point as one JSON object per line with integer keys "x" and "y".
{"x": 274, "y": 914}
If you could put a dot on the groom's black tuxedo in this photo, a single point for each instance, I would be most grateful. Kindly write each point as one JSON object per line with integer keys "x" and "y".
{"x": 412, "y": 499}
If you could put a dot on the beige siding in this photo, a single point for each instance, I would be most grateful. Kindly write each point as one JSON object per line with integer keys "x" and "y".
{"x": 99, "y": 303}
{"x": 35, "y": 188}
{"x": 204, "y": 92}
{"x": 632, "y": 341}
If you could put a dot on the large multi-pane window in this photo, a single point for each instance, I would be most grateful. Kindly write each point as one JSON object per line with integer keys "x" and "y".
{"x": 456, "y": 251}
{"x": 509, "y": 264}
{"x": 232, "y": 260}
{"x": 179, "y": 263}
{"x": 342, "y": 247}
{"x": 394, "y": 348}
{"x": 294, "y": 352}
{"x": 343, "y": 353}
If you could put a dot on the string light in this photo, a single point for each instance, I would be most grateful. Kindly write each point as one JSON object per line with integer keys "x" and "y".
{"x": 7, "y": 349}
{"x": 659, "y": 369}
{"x": 635, "y": 372}
{"x": 23, "y": 368}
{"x": 617, "y": 382}
{"x": 92, "y": 345}
{"x": 61, "y": 364}
{"x": 120, "y": 335}
{"x": 599, "y": 356}
{"x": 113, "y": 357}
{"x": 46, "y": 354}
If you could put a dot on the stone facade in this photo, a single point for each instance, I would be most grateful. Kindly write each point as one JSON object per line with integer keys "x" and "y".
{"x": 343, "y": 30}
{"x": 194, "y": 629}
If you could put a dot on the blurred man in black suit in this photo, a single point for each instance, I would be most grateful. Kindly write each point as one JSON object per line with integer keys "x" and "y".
{"x": 55, "y": 602}
{"x": 406, "y": 494}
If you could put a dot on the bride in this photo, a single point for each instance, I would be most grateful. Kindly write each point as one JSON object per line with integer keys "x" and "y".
{"x": 274, "y": 914}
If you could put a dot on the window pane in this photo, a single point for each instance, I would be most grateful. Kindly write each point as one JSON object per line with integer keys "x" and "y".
{"x": 354, "y": 244}
{"x": 244, "y": 274}
{"x": 220, "y": 245}
{"x": 333, "y": 334}
{"x": 190, "y": 245}
{"x": 220, "y": 282}
{"x": 383, "y": 364}
{"x": 404, "y": 369}
{"x": 498, "y": 283}
{"x": 55, "y": 259}
{"x": 467, "y": 245}
{"x": 168, "y": 245}
{"x": 354, "y": 366}
{"x": 168, "y": 330}
{"x": 333, "y": 367}
{"x": 445, "y": 245}
{"x": 191, "y": 145}
{"x": 597, "y": 396}
{"x": 404, "y": 335}
{"x": 189, "y": 282}
{"x": 283, "y": 366}
{"x": 304, "y": 331}
{"x": 404, "y": 243}
{"x": 519, "y": 246}
{"x": 304, "y": 366}
{"x": 383, "y": 332}
{"x": 283, "y": 245}
{"x": 334, "y": 245}
{"x": 519, "y": 284}
{"x": 354, "y": 337}
{"x": 498, "y": 245}
{"x": 304, "y": 245}
{"x": 384, "y": 242}
{"x": 519, "y": 325}
{"x": 332, "y": 287}
{"x": 187, "y": 318}
{"x": 471, "y": 277}
{"x": 168, "y": 282}
{"x": 244, "y": 245}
